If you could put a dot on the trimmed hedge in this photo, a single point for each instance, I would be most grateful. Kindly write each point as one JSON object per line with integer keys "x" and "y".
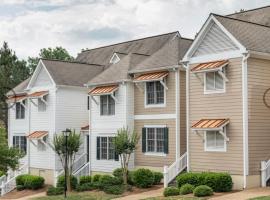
{"x": 158, "y": 176}
{"x": 96, "y": 178}
{"x": 219, "y": 182}
{"x": 55, "y": 191}
{"x": 143, "y": 178}
{"x": 114, "y": 189}
{"x": 31, "y": 182}
{"x": 85, "y": 179}
{"x": 20, "y": 187}
{"x": 119, "y": 174}
{"x": 171, "y": 191}
{"x": 108, "y": 180}
{"x": 186, "y": 189}
{"x": 61, "y": 182}
{"x": 203, "y": 191}
{"x": 85, "y": 187}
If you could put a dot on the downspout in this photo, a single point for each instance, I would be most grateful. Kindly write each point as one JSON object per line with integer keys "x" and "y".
{"x": 29, "y": 131}
{"x": 90, "y": 130}
{"x": 177, "y": 120}
{"x": 245, "y": 117}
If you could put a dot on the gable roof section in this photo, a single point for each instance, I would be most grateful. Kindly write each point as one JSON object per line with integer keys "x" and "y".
{"x": 257, "y": 15}
{"x": 169, "y": 55}
{"x": 253, "y": 36}
{"x": 146, "y": 46}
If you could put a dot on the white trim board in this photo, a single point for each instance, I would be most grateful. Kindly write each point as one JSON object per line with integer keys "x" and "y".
{"x": 157, "y": 116}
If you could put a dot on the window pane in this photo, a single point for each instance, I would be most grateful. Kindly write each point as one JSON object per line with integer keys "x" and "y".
{"x": 160, "y": 139}
{"x": 219, "y": 140}
{"x": 210, "y": 80}
{"x": 111, "y": 148}
{"x": 103, "y": 105}
{"x": 111, "y": 105}
{"x": 150, "y": 93}
{"x": 103, "y": 148}
{"x": 160, "y": 93}
{"x": 210, "y": 139}
{"x": 219, "y": 84}
{"x": 150, "y": 139}
{"x": 18, "y": 110}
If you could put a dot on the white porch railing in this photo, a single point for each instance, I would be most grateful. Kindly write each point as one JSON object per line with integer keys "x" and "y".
{"x": 8, "y": 183}
{"x": 265, "y": 172}
{"x": 172, "y": 171}
{"x": 84, "y": 171}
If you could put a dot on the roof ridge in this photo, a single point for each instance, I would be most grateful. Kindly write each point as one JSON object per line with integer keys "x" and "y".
{"x": 130, "y": 41}
{"x": 249, "y": 10}
{"x": 239, "y": 20}
{"x": 69, "y": 61}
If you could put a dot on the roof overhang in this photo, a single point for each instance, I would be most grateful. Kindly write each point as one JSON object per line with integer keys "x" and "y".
{"x": 39, "y": 94}
{"x": 210, "y": 124}
{"x": 153, "y": 76}
{"x": 16, "y": 98}
{"x": 210, "y": 66}
{"x": 103, "y": 90}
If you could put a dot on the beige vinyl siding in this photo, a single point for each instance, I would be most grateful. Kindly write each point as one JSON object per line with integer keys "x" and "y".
{"x": 259, "y": 114}
{"x": 183, "y": 134}
{"x": 170, "y": 99}
{"x": 225, "y": 105}
{"x": 155, "y": 161}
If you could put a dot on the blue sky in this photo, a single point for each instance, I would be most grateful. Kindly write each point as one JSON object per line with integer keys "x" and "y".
{"x": 29, "y": 25}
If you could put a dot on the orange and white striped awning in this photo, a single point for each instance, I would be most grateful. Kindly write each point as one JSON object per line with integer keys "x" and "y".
{"x": 153, "y": 76}
{"x": 37, "y": 134}
{"x": 210, "y": 124}
{"x": 38, "y": 94}
{"x": 209, "y": 66}
{"x": 103, "y": 90}
{"x": 85, "y": 128}
{"x": 16, "y": 98}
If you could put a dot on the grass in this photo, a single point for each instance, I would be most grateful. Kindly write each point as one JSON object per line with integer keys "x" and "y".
{"x": 175, "y": 198}
{"x": 80, "y": 196}
{"x": 261, "y": 198}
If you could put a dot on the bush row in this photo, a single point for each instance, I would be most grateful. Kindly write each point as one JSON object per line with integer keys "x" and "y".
{"x": 219, "y": 182}
{"x": 199, "y": 191}
{"x": 27, "y": 181}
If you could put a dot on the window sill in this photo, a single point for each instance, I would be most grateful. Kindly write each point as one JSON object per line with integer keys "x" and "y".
{"x": 155, "y": 154}
{"x": 155, "y": 106}
{"x": 214, "y": 91}
{"x": 215, "y": 150}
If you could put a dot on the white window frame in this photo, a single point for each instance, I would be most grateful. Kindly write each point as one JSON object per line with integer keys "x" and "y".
{"x": 107, "y": 114}
{"x": 22, "y": 105}
{"x": 207, "y": 149}
{"x": 107, "y": 148}
{"x": 154, "y": 105}
{"x": 214, "y": 91}
{"x": 154, "y": 153}
{"x": 20, "y": 136}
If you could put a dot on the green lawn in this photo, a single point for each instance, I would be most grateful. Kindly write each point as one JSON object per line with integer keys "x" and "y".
{"x": 80, "y": 196}
{"x": 175, "y": 198}
{"x": 261, "y": 198}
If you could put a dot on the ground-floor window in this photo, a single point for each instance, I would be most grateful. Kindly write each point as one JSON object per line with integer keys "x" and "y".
{"x": 214, "y": 141}
{"x": 155, "y": 139}
{"x": 20, "y": 142}
{"x": 105, "y": 149}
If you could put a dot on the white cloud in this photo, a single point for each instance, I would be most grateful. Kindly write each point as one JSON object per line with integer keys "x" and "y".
{"x": 77, "y": 24}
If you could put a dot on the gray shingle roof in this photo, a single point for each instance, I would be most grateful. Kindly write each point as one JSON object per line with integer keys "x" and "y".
{"x": 71, "y": 73}
{"x": 169, "y": 55}
{"x": 19, "y": 89}
{"x": 258, "y": 15}
{"x": 147, "y": 46}
{"x": 253, "y": 36}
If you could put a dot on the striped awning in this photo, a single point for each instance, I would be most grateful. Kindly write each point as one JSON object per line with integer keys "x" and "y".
{"x": 103, "y": 90}
{"x": 85, "y": 128}
{"x": 215, "y": 124}
{"x": 37, "y": 134}
{"x": 153, "y": 76}
{"x": 210, "y": 66}
{"x": 38, "y": 94}
{"x": 16, "y": 98}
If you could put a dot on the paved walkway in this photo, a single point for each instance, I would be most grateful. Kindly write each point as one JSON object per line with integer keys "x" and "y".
{"x": 244, "y": 195}
{"x": 143, "y": 195}
{"x": 29, "y": 197}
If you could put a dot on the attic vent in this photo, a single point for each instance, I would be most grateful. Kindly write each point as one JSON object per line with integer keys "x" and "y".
{"x": 114, "y": 59}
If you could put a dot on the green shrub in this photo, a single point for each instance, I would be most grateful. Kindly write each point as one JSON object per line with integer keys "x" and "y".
{"x": 118, "y": 173}
{"x": 186, "y": 189}
{"x": 108, "y": 180}
{"x": 96, "y": 178}
{"x": 20, "y": 187}
{"x": 55, "y": 191}
{"x": 85, "y": 179}
{"x": 61, "y": 182}
{"x": 170, "y": 191}
{"x": 2, "y": 173}
{"x": 143, "y": 178}
{"x": 114, "y": 189}
{"x": 30, "y": 181}
{"x": 219, "y": 182}
{"x": 85, "y": 187}
{"x": 130, "y": 177}
{"x": 158, "y": 176}
{"x": 202, "y": 191}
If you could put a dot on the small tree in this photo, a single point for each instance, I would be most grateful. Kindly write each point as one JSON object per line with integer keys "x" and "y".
{"x": 125, "y": 144}
{"x": 73, "y": 146}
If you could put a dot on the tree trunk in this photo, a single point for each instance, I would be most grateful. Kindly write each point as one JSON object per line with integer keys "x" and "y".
{"x": 68, "y": 181}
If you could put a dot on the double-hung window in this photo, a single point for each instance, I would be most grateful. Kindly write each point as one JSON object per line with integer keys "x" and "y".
{"x": 20, "y": 142}
{"x": 105, "y": 149}
{"x": 155, "y": 140}
{"x": 107, "y": 105}
{"x": 155, "y": 93}
{"x": 41, "y": 104}
{"x": 214, "y": 82}
{"x": 20, "y": 110}
{"x": 214, "y": 141}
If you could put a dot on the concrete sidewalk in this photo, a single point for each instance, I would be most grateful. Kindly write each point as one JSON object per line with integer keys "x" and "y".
{"x": 41, "y": 194}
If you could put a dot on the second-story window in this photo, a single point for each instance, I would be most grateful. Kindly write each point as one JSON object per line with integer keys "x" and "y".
{"x": 20, "y": 143}
{"x": 20, "y": 110}
{"x": 107, "y": 105}
{"x": 154, "y": 93}
{"x": 42, "y": 105}
{"x": 214, "y": 82}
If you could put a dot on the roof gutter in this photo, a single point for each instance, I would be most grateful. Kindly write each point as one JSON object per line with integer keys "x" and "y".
{"x": 106, "y": 83}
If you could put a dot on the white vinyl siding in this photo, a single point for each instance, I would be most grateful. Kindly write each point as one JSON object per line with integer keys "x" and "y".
{"x": 214, "y": 83}
{"x": 214, "y": 141}
{"x": 41, "y": 105}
